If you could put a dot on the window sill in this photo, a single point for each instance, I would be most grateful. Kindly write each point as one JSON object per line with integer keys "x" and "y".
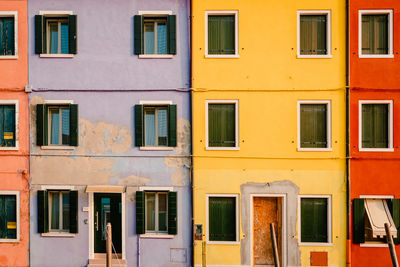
{"x": 57, "y": 55}
{"x": 57, "y": 147}
{"x": 9, "y": 148}
{"x": 373, "y": 245}
{"x": 316, "y": 244}
{"x": 156, "y": 148}
{"x": 222, "y": 56}
{"x": 223, "y": 243}
{"x": 156, "y": 236}
{"x": 314, "y": 56}
{"x": 376, "y": 149}
{"x": 58, "y": 235}
{"x": 155, "y": 56}
{"x": 9, "y": 57}
{"x": 314, "y": 149}
{"x": 376, "y": 56}
{"x": 5, "y": 240}
{"x": 223, "y": 148}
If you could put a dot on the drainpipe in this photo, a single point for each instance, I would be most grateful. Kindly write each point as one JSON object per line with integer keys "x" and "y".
{"x": 191, "y": 127}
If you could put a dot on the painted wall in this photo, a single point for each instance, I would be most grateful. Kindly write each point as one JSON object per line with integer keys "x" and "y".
{"x": 14, "y": 165}
{"x": 268, "y": 79}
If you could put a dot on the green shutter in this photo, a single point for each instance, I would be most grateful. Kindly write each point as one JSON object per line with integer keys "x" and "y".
{"x": 140, "y": 212}
{"x": 172, "y": 126}
{"x": 221, "y": 125}
{"x": 72, "y": 34}
{"x": 139, "y": 125}
{"x": 138, "y": 22}
{"x": 172, "y": 213}
{"x": 221, "y": 34}
{"x": 171, "y": 20}
{"x": 395, "y": 210}
{"x": 375, "y": 125}
{"x": 41, "y": 137}
{"x": 358, "y": 221}
{"x": 314, "y": 219}
{"x": 74, "y": 128}
{"x": 313, "y": 126}
{"x": 73, "y": 211}
{"x": 39, "y": 34}
{"x": 222, "y": 218}
{"x": 43, "y": 212}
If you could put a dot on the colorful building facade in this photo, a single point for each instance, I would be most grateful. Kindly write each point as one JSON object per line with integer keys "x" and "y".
{"x": 269, "y": 132}
{"x": 110, "y": 132}
{"x": 14, "y": 135}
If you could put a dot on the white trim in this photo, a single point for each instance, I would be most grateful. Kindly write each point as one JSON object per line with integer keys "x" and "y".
{"x": 48, "y": 13}
{"x": 156, "y": 188}
{"x": 57, "y": 55}
{"x": 373, "y": 245}
{"x": 105, "y": 188}
{"x": 155, "y": 12}
{"x": 16, "y": 103}
{"x": 156, "y": 148}
{"x": 57, "y": 234}
{"x": 390, "y": 124}
{"x": 222, "y": 12}
{"x": 236, "y": 102}
{"x": 57, "y": 187}
{"x": 328, "y": 125}
{"x": 284, "y": 226}
{"x": 156, "y": 56}
{"x": 56, "y": 147}
{"x": 377, "y": 196}
{"x": 328, "y": 32}
{"x": 329, "y": 224}
{"x": 388, "y": 12}
{"x": 237, "y": 199}
{"x": 17, "y": 207}
{"x": 59, "y": 102}
{"x": 155, "y": 102}
{"x": 156, "y": 236}
{"x": 15, "y": 15}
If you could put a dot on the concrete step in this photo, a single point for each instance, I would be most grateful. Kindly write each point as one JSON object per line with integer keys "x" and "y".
{"x": 104, "y": 265}
{"x": 101, "y": 262}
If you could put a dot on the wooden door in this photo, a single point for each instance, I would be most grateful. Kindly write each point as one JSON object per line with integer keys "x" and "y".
{"x": 266, "y": 210}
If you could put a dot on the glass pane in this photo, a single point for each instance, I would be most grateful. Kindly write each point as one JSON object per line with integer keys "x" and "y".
{"x": 64, "y": 38}
{"x": 65, "y": 211}
{"x": 314, "y": 219}
{"x": 375, "y": 34}
{"x": 162, "y": 212}
{"x": 55, "y": 126}
{"x": 375, "y": 125}
{"x": 313, "y": 34}
{"x": 221, "y": 34}
{"x": 105, "y": 216}
{"x": 162, "y": 126}
{"x": 65, "y": 126}
{"x": 8, "y": 216}
{"x": 7, "y": 125}
{"x": 53, "y": 37}
{"x": 149, "y": 37}
{"x": 161, "y": 38}
{"x": 313, "y": 126}
{"x": 221, "y": 125}
{"x": 55, "y": 210}
{"x": 150, "y": 212}
{"x": 150, "y": 125}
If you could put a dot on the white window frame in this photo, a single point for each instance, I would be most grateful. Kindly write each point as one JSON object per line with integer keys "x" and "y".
{"x": 236, "y": 102}
{"x": 388, "y": 12}
{"x": 222, "y": 12}
{"x": 237, "y": 241}
{"x": 17, "y": 206}
{"x": 58, "y": 21}
{"x": 16, "y": 103}
{"x": 156, "y": 231}
{"x": 15, "y": 15}
{"x": 328, "y": 125}
{"x": 390, "y": 124}
{"x": 329, "y": 222}
{"x": 327, "y": 13}
{"x": 50, "y": 199}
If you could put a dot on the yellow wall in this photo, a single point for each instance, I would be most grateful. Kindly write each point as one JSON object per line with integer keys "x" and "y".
{"x": 268, "y": 80}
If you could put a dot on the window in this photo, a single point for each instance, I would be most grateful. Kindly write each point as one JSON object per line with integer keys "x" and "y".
{"x": 315, "y": 219}
{"x": 155, "y": 125}
{"x": 222, "y": 218}
{"x": 55, "y": 34}
{"x": 221, "y": 34}
{"x": 8, "y": 34}
{"x": 376, "y": 125}
{"x": 370, "y": 214}
{"x": 57, "y": 125}
{"x": 155, "y": 34}
{"x": 8, "y": 124}
{"x": 376, "y": 33}
{"x": 314, "y": 34}
{"x": 57, "y": 211}
{"x": 222, "y": 124}
{"x": 9, "y": 216}
{"x": 314, "y": 125}
{"x": 156, "y": 212}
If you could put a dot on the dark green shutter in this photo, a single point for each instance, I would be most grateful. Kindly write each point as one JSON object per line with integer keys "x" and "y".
{"x": 222, "y": 218}
{"x": 172, "y": 213}
{"x": 358, "y": 221}
{"x": 139, "y": 125}
{"x": 313, "y": 126}
{"x": 395, "y": 210}
{"x": 43, "y": 212}
{"x": 41, "y": 121}
{"x": 73, "y": 123}
{"x": 39, "y": 34}
{"x": 73, "y": 212}
{"x": 314, "y": 220}
{"x": 138, "y": 21}
{"x": 221, "y": 125}
{"x": 171, "y": 20}
{"x": 172, "y": 125}
{"x": 140, "y": 212}
{"x": 72, "y": 34}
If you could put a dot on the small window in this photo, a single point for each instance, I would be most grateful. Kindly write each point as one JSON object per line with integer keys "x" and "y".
{"x": 314, "y": 125}
{"x": 315, "y": 217}
{"x": 222, "y": 124}
{"x": 57, "y": 36}
{"x": 8, "y": 33}
{"x": 7, "y": 125}
{"x": 221, "y": 33}
{"x": 222, "y": 219}
{"x": 8, "y": 217}
{"x": 59, "y": 211}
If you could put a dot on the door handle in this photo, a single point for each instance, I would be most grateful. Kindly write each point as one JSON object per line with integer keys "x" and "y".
{"x": 97, "y": 221}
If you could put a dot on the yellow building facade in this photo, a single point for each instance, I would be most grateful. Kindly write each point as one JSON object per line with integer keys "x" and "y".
{"x": 264, "y": 173}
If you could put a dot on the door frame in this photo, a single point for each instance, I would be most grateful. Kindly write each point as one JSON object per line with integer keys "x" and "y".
{"x": 91, "y": 223}
{"x": 284, "y": 226}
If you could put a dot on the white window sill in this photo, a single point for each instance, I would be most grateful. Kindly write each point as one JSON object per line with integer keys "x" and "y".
{"x": 57, "y": 55}
{"x": 376, "y": 56}
{"x": 5, "y": 240}
{"x": 223, "y": 243}
{"x": 376, "y": 149}
{"x": 314, "y": 149}
{"x": 57, "y": 147}
{"x": 9, "y": 148}
{"x": 314, "y": 56}
{"x": 155, "y": 56}
{"x": 316, "y": 244}
{"x": 222, "y": 56}
{"x": 156, "y": 148}
{"x": 223, "y": 148}
{"x": 157, "y": 236}
{"x": 58, "y": 235}
{"x": 373, "y": 245}
{"x": 9, "y": 57}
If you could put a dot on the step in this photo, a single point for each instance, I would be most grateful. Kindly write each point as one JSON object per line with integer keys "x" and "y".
{"x": 101, "y": 262}
{"x": 104, "y": 265}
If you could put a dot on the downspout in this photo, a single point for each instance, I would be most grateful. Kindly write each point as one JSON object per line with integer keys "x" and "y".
{"x": 191, "y": 127}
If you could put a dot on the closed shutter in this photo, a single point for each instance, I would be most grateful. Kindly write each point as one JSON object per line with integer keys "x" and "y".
{"x": 140, "y": 212}
{"x": 314, "y": 219}
{"x": 138, "y": 26}
{"x": 381, "y": 34}
{"x": 221, "y": 34}
{"x": 73, "y": 212}
{"x": 72, "y": 34}
{"x": 41, "y": 125}
{"x": 313, "y": 34}
{"x": 395, "y": 211}
{"x": 139, "y": 125}
{"x": 7, "y": 41}
{"x": 172, "y": 213}
{"x": 74, "y": 128}
{"x": 222, "y": 219}
{"x": 358, "y": 221}
{"x": 172, "y": 124}
{"x": 313, "y": 126}
{"x": 375, "y": 125}
{"x": 39, "y": 33}
{"x": 171, "y": 20}
{"x": 42, "y": 211}
{"x": 221, "y": 125}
